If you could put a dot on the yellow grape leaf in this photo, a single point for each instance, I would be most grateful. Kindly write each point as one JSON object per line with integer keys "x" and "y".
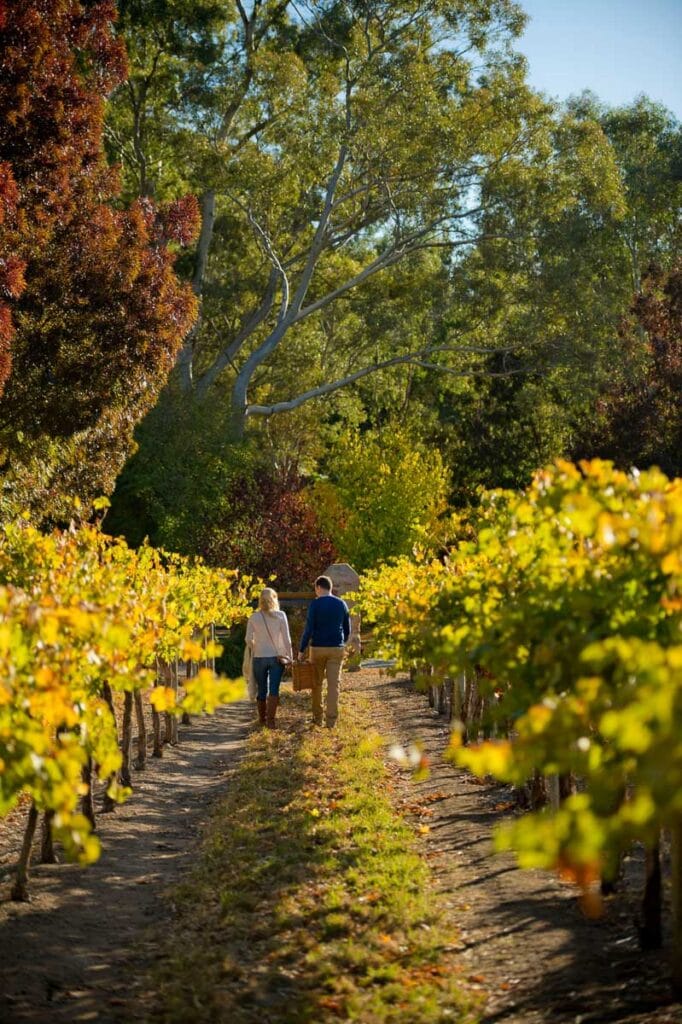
{"x": 44, "y": 676}
{"x": 119, "y": 793}
{"x": 672, "y": 563}
{"x": 162, "y": 698}
{"x": 90, "y": 849}
{"x": 192, "y": 651}
{"x": 493, "y": 757}
{"x": 49, "y": 630}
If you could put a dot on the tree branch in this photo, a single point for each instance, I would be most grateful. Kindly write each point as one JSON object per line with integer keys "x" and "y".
{"x": 186, "y": 357}
{"x": 411, "y": 358}
{"x": 225, "y": 357}
{"x": 392, "y": 255}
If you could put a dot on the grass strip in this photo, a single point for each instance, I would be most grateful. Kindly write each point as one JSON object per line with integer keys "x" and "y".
{"x": 309, "y": 901}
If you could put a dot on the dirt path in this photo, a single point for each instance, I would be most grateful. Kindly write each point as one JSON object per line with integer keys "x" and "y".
{"x": 524, "y": 940}
{"x": 79, "y": 947}
{"x": 67, "y": 955}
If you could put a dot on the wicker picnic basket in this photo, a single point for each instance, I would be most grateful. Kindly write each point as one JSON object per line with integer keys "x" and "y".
{"x": 304, "y": 675}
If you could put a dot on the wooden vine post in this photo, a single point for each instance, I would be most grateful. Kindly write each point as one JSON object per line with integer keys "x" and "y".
{"x": 157, "y": 750}
{"x": 676, "y": 851}
{"x": 141, "y": 760}
{"x": 126, "y": 738}
{"x": 20, "y": 887}
{"x": 175, "y": 673}
{"x": 108, "y": 804}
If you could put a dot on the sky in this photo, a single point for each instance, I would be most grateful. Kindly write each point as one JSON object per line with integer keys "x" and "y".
{"x": 616, "y": 48}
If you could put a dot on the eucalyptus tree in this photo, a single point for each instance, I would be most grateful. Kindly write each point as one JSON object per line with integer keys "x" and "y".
{"x": 333, "y": 142}
{"x": 555, "y": 304}
{"x": 647, "y": 141}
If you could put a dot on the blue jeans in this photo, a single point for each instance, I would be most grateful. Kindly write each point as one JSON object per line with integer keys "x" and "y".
{"x": 268, "y": 674}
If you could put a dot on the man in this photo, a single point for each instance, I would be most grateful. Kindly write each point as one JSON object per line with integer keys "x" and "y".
{"x": 327, "y": 629}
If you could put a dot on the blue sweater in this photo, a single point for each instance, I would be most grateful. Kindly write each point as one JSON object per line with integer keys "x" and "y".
{"x": 328, "y": 623}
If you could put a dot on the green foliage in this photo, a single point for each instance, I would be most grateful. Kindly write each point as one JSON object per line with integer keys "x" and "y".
{"x": 647, "y": 141}
{"x": 497, "y": 431}
{"x": 552, "y": 300}
{"x": 241, "y": 504}
{"x": 385, "y": 494}
{"x": 182, "y": 478}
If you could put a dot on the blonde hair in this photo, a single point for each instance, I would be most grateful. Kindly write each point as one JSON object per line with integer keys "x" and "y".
{"x": 268, "y": 602}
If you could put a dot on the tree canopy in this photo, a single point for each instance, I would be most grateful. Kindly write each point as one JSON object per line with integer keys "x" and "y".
{"x": 638, "y": 415}
{"x": 392, "y": 223}
{"x": 391, "y": 226}
{"x": 332, "y": 143}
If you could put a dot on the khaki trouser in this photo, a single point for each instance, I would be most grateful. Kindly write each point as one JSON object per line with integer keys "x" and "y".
{"x": 327, "y": 661}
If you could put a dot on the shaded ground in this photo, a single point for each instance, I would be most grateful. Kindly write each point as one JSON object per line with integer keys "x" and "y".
{"x": 67, "y": 955}
{"x": 76, "y": 951}
{"x": 524, "y": 939}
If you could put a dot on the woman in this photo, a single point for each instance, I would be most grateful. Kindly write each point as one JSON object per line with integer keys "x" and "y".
{"x": 267, "y": 634}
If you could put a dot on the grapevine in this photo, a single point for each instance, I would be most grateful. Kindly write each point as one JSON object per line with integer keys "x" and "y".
{"x": 82, "y": 615}
{"x": 569, "y": 600}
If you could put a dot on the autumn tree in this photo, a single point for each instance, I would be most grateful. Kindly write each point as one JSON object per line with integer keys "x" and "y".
{"x": 638, "y": 417}
{"x": 244, "y": 505}
{"x": 385, "y": 493}
{"x": 96, "y": 311}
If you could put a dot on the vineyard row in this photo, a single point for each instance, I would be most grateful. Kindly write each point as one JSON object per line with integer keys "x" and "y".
{"x": 557, "y": 615}
{"x": 88, "y": 626}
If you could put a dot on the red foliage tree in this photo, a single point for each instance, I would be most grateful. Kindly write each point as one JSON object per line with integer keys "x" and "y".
{"x": 12, "y": 266}
{"x": 639, "y": 419}
{"x": 273, "y": 529}
{"x": 93, "y": 312}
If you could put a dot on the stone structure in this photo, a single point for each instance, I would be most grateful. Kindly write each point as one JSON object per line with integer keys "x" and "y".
{"x": 345, "y": 580}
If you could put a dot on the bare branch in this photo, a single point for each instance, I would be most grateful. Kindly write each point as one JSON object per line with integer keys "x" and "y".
{"x": 264, "y": 240}
{"x": 186, "y": 356}
{"x": 411, "y": 358}
{"x": 318, "y": 25}
{"x": 287, "y": 313}
{"x": 317, "y": 244}
{"x": 393, "y": 254}
{"x": 226, "y": 357}
{"x": 244, "y": 16}
{"x": 475, "y": 373}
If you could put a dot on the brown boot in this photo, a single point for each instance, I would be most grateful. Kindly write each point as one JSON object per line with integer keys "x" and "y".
{"x": 273, "y": 703}
{"x": 261, "y": 712}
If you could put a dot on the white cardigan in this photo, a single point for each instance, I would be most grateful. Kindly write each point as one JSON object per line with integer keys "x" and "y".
{"x": 258, "y": 639}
